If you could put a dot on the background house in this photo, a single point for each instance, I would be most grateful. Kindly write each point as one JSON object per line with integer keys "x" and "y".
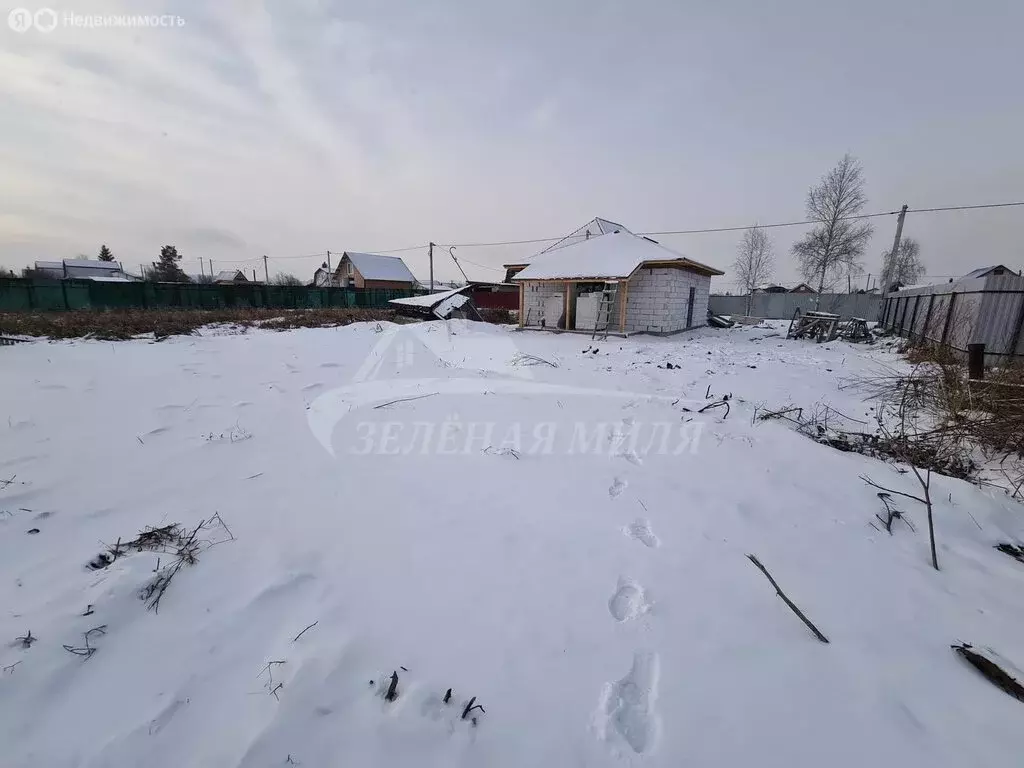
{"x": 229, "y": 276}
{"x": 83, "y": 269}
{"x": 366, "y": 270}
{"x": 997, "y": 269}
{"x": 802, "y": 288}
{"x": 604, "y": 276}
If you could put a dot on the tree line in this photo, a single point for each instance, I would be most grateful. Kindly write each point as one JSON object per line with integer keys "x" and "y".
{"x": 833, "y": 249}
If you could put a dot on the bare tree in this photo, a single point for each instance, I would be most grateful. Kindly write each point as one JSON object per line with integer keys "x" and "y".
{"x": 755, "y": 261}
{"x": 833, "y": 248}
{"x": 905, "y": 267}
{"x": 282, "y": 278}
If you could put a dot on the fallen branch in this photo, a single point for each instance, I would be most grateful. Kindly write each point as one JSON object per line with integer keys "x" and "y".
{"x": 786, "y": 600}
{"x": 990, "y": 670}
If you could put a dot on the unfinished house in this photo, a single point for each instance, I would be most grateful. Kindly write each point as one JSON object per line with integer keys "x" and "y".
{"x": 603, "y": 278}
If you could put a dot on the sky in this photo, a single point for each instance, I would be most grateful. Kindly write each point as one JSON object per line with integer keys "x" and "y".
{"x": 294, "y": 127}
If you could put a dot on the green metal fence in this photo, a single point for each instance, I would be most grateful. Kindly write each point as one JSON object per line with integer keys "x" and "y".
{"x": 25, "y": 294}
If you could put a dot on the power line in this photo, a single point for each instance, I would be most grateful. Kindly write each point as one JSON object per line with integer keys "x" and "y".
{"x": 963, "y": 207}
{"x": 482, "y": 266}
{"x": 503, "y": 242}
{"x": 392, "y": 250}
{"x": 748, "y": 226}
{"x": 765, "y": 226}
{"x": 534, "y": 241}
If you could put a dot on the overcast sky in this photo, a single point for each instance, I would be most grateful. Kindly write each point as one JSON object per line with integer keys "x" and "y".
{"x": 297, "y": 126}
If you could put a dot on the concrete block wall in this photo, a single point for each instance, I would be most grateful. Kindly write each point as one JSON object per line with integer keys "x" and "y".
{"x": 658, "y": 298}
{"x": 534, "y": 296}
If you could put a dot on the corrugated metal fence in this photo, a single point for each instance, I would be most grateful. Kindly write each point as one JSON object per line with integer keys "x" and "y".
{"x": 781, "y": 306}
{"x": 20, "y": 294}
{"x": 984, "y": 310}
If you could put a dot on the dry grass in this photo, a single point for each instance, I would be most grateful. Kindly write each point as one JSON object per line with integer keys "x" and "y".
{"x": 129, "y": 323}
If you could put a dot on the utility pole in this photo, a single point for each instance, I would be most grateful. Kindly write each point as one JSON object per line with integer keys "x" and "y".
{"x": 254, "y": 274}
{"x": 201, "y": 270}
{"x": 211, "y": 267}
{"x": 896, "y": 240}
{"x": 328, "y": 266}
{"x": 431, "y": 255}
{"x": 266, "y": 271}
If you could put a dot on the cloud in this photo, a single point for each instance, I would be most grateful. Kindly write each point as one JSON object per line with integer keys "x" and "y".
{"x": 289, "y": 127}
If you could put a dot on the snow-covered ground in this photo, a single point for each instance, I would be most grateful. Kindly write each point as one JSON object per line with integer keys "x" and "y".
{"x": 566, "y": 544}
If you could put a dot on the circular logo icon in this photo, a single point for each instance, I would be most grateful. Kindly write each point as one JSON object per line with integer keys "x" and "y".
{"x": 20, "y": 20}
{"x": 46, "y": 19}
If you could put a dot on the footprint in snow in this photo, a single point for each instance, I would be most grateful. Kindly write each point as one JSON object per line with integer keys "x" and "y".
{"x": 632, "y": 457}
{"x": 617, "y": 488}
{"x": 626, "y": 709}
{"x": 640, "y": 529}
{"x": 629, "y": 600}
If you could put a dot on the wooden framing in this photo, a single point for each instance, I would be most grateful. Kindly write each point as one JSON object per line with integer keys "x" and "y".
{"x": 522, "y": 301}
{"x": 569, "y": 304}
{"x": 624, "y": 294}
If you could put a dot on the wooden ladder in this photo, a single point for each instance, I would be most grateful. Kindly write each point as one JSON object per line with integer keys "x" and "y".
{"x": 609, "y": 300}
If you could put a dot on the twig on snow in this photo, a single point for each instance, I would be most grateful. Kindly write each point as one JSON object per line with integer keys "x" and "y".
{"x": 9, "y": 669}
{"x": 470, "y": 706}
{"x": 404, "y": 400}
{"x": 526, "y": 359}
{"x": 786, "y": 600}
{"x": 26, "y": 640}
{"x": 87, "y": 650}
{"x": 305, "y": 630}
{"x": 717, "y": 404}
{"x": 392, "y": 693}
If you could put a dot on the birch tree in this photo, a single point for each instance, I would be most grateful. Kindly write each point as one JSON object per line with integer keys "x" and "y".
{"x": 755, "y": 261}
{"x": 835, "y": 244}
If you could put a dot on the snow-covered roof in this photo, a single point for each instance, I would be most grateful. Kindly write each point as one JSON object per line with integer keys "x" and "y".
{"x": 611, "y": 256}
{"x": 428, "y": 301}
{"x": 593, "y": 228}
{"x": 229, "y": 276}
{"x": 109, "y": 266}
{"x": 373, "y": 266}
{"x": 50, "y": 265}
{"x": 984, "y": 271}
{"x": 105, "y": 278}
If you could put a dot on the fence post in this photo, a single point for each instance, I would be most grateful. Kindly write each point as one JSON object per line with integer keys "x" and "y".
{"x": 976, "y": 361}
{"x": 913, "y": 318}
{"x": 949, "y": 317}
{"x": 1016, "y": 332}
{"x": 928, "y": 317}
{"x": 64, "y": 293}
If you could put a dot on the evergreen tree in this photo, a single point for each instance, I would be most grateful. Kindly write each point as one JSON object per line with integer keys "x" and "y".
{"x": 105, "y": 254}
{"x": 167, "y": 270}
